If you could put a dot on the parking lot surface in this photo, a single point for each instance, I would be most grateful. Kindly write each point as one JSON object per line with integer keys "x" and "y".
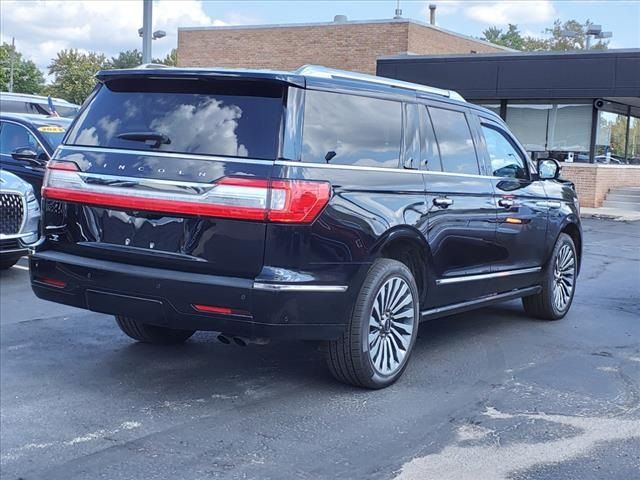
{"x": 488, "y": 395}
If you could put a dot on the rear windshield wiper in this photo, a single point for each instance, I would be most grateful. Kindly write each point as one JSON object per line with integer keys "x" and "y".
{"x": 153, "y": 139}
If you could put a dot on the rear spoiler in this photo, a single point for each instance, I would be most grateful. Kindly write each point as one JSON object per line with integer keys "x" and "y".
{"x": 155, "y": 71}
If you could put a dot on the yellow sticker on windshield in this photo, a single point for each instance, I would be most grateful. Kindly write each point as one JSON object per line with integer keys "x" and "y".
{"x": 51, "y": 129}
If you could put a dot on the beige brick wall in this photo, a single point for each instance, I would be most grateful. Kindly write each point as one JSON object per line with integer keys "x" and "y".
{"x": 349, "y": 46}
{"x": 430, "y": 41}
{"x": 594, "y": 181}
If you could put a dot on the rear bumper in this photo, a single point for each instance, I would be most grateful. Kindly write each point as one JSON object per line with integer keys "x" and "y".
{"x": 167, "y": 298}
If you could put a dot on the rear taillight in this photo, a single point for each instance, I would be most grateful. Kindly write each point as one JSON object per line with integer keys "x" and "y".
{"x": 243, "y": 198}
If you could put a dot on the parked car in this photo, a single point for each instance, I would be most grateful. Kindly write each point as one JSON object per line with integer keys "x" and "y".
{"x": 36, "y": 105}
{"x": 19, "y": 218}
{"x": 27, "y": 142}
{"x": 315, "y": 204}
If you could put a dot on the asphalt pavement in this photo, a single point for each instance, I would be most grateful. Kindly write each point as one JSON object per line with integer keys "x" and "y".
{"x": 487, "y": 395}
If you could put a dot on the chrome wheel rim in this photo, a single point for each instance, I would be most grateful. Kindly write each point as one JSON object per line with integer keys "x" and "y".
{"x": 564, "y": 273}
{"x": 391, "y": 326}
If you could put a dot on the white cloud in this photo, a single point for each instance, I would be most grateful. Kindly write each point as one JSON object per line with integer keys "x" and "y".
{"x": 501, "y": 12}
{"x": 42, "y": 28}
{"x": 516, "y": 12}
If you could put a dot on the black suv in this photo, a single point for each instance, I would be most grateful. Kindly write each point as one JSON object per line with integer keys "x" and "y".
{"x": 318, "y": 205}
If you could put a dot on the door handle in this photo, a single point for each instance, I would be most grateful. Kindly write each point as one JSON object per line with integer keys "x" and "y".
{"x": 505, "y": 202}
{"x": 442, "y": 202}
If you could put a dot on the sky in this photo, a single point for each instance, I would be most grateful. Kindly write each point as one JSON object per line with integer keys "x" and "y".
{"x": 43, "y": 27}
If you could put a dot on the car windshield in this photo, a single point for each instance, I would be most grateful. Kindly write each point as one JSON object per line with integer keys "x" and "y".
{"x": 54, "y": 138}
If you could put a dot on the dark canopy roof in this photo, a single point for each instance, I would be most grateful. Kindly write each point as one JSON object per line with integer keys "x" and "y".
{"x": 548, "y": 75}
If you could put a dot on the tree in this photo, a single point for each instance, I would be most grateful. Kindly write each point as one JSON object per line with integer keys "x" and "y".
{"x": 74, "y": 74}
{"x": 557, "y": 41}
{"x": 27, "y": 78}
{"x": 560, "y": 41}
{"x": 133, "y": 58}
{"x": 510, "y": 39}
{"x": 170, "y": 60}
{"x": 126, "y": 59}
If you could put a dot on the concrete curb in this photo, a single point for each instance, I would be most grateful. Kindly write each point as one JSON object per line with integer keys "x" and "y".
{"x": 610, "y": 214}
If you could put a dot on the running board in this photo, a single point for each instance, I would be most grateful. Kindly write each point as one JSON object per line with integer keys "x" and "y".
{"x": 479, "y": 302}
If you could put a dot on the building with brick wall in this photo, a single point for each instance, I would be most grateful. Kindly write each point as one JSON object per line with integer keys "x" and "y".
{"x": 348, "y": 45}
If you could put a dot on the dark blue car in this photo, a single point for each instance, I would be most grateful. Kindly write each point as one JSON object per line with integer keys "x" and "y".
{"x": 27, "y": 142}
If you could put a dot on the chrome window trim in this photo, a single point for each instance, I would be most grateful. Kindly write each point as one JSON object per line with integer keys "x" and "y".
{"x": 148, "y": 153}
{"x": 139, "y": 180}
{"x": 486, "y": 276}
{"x": 30, "y": 133}
{"x": 287, "y": 287}
{"x": 289, "y": 163}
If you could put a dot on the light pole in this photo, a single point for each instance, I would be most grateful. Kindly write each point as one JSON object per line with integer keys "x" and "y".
{"x": 11, "y": 62}
{"x": 145, "y": 31}
{"x": 593, "y": 31}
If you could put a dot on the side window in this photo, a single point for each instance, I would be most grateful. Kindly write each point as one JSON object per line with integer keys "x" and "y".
{"x": 457, "y": 151}
{"x": 12, "y": 106}
{"x": 14, "y": 136}
{"x": 341, "y": 129}
{"x": 430, "y": 153}
{"x": 412, "y": 137}
{"x": 506, "y": 160}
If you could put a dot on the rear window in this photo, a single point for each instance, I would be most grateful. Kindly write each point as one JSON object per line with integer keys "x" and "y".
{"x": 229, "y": 118}
{"x": 342, "y": 129}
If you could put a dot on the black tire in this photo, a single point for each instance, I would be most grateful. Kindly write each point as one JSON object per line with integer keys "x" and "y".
{"x": 7, "y": 263}
{"x": 348, "y": 357}
{"x": 145, "y": 333}
{"x": 543, "y": 304}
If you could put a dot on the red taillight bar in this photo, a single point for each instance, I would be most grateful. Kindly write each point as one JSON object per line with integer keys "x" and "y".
{"x": 51, "y": 282}
{"x": 151, "y": 205}
{"x": 220, "y": 310}
{"x": 62, "y": 165}
{"x": 242, "y": 198}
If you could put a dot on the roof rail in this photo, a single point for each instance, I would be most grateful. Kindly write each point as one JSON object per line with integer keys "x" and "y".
{"x": 319, "y": 71}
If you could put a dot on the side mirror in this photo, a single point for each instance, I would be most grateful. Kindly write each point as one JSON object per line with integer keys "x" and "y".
{"x": 548, "y": 169}
{"x": 26, "y": 154}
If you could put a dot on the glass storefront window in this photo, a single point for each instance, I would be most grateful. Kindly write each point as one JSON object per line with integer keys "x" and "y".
{"x": 557, "y": 130}
{"x": 528, "y": 122}
{"x": 611, "y": 137}
{"x": 494, "y": 107}
{"x": 633, "y": 149}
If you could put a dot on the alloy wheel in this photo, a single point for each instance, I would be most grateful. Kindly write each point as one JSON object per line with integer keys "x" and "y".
{"x": 564, "y": 274}
{"x": 391, "y": 326}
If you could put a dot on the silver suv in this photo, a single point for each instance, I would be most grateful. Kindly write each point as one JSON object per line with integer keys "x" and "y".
{"x": 19, "y": 218}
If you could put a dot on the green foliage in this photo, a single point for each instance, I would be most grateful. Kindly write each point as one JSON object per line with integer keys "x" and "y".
{"x": 73, "y": 73}
{"x": 133, "y": 58}
{"x": 557, "y": 40}
{"x": 510, "y": 39}
{"x": 170, "y": 60}
{"x": 27, "y": 78}
{"x": 126, "y": 59}
{"x": 560, "y": 42}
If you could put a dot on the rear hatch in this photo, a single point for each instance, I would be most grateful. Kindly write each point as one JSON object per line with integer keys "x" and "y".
{"x": 170, "y": 172}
